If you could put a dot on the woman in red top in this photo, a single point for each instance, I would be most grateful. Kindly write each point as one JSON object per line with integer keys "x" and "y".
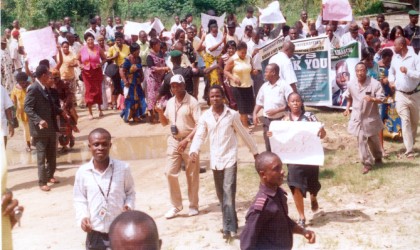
{"x": 90, "y": 58}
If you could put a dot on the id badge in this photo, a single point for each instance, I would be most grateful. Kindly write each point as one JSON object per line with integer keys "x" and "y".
{"x": 103, "y": 211}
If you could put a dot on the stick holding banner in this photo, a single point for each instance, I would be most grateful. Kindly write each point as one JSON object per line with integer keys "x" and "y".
{"x": 297, "y": 142}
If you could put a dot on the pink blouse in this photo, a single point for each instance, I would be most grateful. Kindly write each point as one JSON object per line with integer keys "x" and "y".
{"x": 90, "y": 59}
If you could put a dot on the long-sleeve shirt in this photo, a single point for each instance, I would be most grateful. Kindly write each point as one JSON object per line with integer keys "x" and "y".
{"x": 409, "y": 81}
{"x": 89, "y": 200}
{"x": 222, "y": 136}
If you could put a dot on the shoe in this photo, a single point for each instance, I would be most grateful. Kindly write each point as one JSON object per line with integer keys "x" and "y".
{"x": 193, "y": 212}
{"x": 301, "y": 223}
{"x": 378, "y": 161}
{"x": 226, "y": 235}
{"x": 53, "y": 180}
{"x": 202, "y": 170}
{"x": 366, "y": 169}
{"x": 410, "y": 156}
{"x": 314, "y": 206}
{"x": 172, "y": 213}
{"x": 45, "y": 188}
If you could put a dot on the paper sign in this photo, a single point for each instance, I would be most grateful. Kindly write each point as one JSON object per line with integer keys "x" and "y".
{"x": 206, "y": 18}
{"x": 39, "y": 45}
{"x": 337, "y": 10}
{"x": 157, "y": 25}
{"x": 297, "y": 142}
{"x": 271, "y": 14}
{"x": 134, "y": 28}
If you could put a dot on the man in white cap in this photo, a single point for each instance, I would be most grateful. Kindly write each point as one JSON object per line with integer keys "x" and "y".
{"x": 182, "y": 113}
{"x": 63, "y": 35}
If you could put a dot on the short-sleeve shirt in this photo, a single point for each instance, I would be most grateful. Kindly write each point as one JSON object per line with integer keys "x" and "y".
{"x": 185, "y": 116}
{"x": 210, "y": 41}
{"x": 273, "y": 96}
{"x": 286, "y": 67}
{"x": 5, "y": 103}
{"x": 66, "y": 71}
{"x": 123, "y": 53}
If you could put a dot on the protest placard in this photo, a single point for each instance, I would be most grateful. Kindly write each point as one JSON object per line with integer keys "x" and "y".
{"x": 271, "y": 14}
{"x": 297, "y": 142}
{"x": 32, "y": 41}
{"x": 206, "y": 18}
{"x": 337, "y": 10}
{"x": 134, "y": 28}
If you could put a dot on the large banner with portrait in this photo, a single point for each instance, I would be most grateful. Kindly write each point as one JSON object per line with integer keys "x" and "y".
{"x": 343, "y": 62}
{"x": 311, "y": 62}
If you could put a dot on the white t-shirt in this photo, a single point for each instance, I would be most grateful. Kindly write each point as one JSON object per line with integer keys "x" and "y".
{"x": 210, "y": 41}
{"x": 286, "y": 67}
{"x": 5, "y": 103}
{"x": 273, "y": 96}
{"x": 250, "y": 21}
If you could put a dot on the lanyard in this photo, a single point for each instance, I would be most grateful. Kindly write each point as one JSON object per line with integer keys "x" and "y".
{"x": 109, "y": 186}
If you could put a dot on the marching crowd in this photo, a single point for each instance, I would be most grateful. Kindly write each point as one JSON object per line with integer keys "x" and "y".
{"x": 155, "y": 77}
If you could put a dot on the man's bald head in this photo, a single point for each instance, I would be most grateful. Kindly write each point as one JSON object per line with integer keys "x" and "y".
{"x": 100, "y": 131}
{"x": 288, "y": 48}
{"x": 401, "y": 41}
{"x": 134, "y": 230}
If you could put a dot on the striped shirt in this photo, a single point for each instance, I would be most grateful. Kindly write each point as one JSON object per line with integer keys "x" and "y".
{"x": 88, "y": 198}
{"x": 222, "y": 135}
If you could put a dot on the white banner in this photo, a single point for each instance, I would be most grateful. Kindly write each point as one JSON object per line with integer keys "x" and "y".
{"x": 297, "y": 142}
{"x": 134, "y": 28}
{"x": 337, "y": 10}
{"x": 206, "y": 18}
{"x": 272, "y": 14}
{"x": 39, "y": 45}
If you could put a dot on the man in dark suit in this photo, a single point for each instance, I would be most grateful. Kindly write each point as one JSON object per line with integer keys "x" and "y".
{"x": 42, "y": 109}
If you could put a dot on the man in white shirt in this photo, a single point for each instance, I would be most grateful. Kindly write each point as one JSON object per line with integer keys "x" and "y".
{"x": 222, "y": 125}
{"x": 282, "y": 59}
{"x": 6, "y": 107}
{"x": 110, "y": 31}
{"x": 176, "y": 26}
{"x": 93, "y": 29}
{"x": 272, "y": 98}
{"x": 404, "y": 77}
{"x": 63, "y": 33}
{"x": 103, "y": 189}
{"x": 353, "y": 36}
{"x": 67, "y": 24}
{"x": 14, "y": 51}
{"x": 250, "y": 19}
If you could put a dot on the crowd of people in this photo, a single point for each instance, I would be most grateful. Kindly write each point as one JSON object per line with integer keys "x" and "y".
{"x": 156, "y": 78}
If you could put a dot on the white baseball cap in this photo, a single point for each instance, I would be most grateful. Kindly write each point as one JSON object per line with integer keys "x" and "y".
{"x": 177, "y": 79}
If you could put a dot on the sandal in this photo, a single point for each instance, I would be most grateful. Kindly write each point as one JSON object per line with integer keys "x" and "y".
{"x": 366, "y": 169}
{"x": 314, "y": 205}
{"x": 101, "y": 114}
{"x": 410, "y": 156}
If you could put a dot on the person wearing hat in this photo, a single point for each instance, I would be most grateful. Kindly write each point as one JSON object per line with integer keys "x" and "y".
{"x": 412, "y": 30}
{"x": 188, "y": 73}
{"x": 231, "y": 36}
{"x": 7, "y": 79}
{"x": 182, "y": 113}
{"x": 14, "y": 51}
{"x": 353, "y": 36}
{"x": 63, "y": 33}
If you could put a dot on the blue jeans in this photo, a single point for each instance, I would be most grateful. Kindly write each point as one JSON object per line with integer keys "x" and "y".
{"x": 225, "y": 183}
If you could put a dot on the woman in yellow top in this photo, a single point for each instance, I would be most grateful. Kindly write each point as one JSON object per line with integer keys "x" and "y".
{"x": 18, "y": 95}
{"x": 70, "y": 62}
{"x": 238, "y": 70}
{"x": 117, "y": 53}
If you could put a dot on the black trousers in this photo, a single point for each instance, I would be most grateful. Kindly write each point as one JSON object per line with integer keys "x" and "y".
{"x": 97, "y": 241}
{"x": 46, "y": 157}
{"x": 266, "y": 126}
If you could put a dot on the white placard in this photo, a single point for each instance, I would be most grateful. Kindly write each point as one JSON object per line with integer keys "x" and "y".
{"x": 337, "y": 10}
{"x": 134, "y": 28}
{"x": 206, "y": 18}
{"x": 297, "y": 142}
{"x": 271, "y": 14}
{"x": 39, "y": 45}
